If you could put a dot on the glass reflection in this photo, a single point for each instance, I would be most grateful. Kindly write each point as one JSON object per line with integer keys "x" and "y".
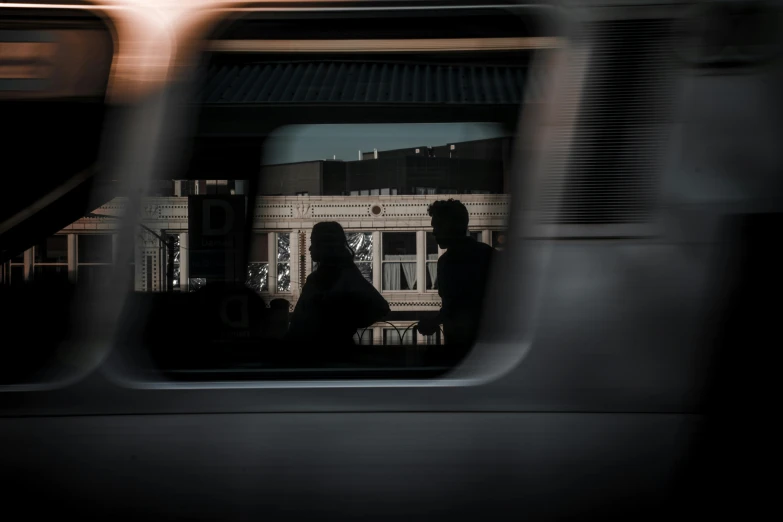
{"x": 257, "y": 276}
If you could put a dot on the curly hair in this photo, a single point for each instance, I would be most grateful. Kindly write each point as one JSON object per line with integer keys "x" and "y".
{"x": 453, "y": 212}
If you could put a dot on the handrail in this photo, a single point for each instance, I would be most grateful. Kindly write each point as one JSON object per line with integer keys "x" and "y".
{"x": 399, "y": 335}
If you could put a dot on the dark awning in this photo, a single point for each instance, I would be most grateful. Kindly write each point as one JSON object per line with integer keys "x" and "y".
{"x": 366, "y": 83}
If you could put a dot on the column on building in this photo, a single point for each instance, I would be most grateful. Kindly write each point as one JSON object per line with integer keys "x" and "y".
{"x": 72, "y": 252}
{"x": 293, "y": 244}
{"x": 377, "y": 279}
{"x": 377, "y": 269}
{"x": 486, "y": 237}
{"x": 271, "y": 238}
{"x": 421, "y": 261}
{"x": 308, "y": 259}
{"x": 28, "y": 264}
{"x": 184, "y": 263}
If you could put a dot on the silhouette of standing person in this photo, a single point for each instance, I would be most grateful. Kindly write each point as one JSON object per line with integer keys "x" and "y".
{"x": 336, "y": 300}
{"x": 462, "y": 275}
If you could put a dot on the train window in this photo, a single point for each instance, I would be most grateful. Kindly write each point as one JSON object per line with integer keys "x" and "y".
{"x": 54, "y": 73}
{"x": 347, "y": 180}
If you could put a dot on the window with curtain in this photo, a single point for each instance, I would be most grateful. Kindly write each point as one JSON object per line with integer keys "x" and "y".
{"x": 258, "y": 263}
{"x": 432, "y": 262}
{"x": 284, "y": 262}
{"x": 94, "y": 258}
{"x": 399, "y": 260}
{"x": 361, "y": 244}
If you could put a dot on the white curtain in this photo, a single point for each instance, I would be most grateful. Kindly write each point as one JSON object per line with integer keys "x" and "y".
{"x": 409, "y": 269}
{"x": 391, "y": 274}
{"x": 391, "y": 271}
{"x": 432, "y": 268}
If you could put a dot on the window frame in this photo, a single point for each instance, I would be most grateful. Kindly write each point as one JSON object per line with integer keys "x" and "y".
{"x": 112, "y": 254}
{"x": 359, "y": 382}
{"x": 409, "y": 290}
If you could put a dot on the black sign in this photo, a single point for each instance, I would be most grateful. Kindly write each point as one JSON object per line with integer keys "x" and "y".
{"x": 216, "y": 226}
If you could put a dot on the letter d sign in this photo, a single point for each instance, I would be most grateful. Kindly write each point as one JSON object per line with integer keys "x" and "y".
{"x": 214, "y": 210}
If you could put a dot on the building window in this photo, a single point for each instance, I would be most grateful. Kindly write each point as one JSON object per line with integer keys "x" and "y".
{"x": 302, "y": 193}
{"x": 475, "y": 235}
{"x": 173, "y": 257}
{"x": 399, "y": 260}
{"x": 284, "y": 262}
{"x": 421, "y": 191}
{"x": 50, "y": 260}
{"x": 94, "y": 259}
{"x": 432, "y": 262}
{"x": 16, "y": 270}
{"x": 498, "y": 239}
{"x": 194, "y": 283}
{"x": 363, "y": 337}
{"x": 433, "y": 339}
{"x": 388, "y": 192}
{"x": 399, "y": 336}
{"x": 361, "y": 244}
{"x": 258, "y": 263}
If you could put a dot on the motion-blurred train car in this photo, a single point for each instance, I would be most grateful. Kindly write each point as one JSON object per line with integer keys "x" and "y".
{"x": 164, "y": 163}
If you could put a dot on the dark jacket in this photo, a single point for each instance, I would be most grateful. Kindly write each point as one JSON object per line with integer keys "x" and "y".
{"x": 336, "y": 300}
{"x": 463, "y": 272}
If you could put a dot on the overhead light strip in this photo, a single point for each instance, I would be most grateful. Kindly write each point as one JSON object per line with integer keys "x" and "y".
{"x": 388, "y": 45}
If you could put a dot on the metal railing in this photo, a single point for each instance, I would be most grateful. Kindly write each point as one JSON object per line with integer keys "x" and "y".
{"x": 401, "y": 335}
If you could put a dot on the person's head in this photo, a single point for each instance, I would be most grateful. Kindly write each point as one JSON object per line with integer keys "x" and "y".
{"x": 328, "y": 243}
{"x": 449, "y": 221}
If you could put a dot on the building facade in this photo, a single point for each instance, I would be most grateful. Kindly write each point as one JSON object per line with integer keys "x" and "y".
{"x": 391, "y": 236}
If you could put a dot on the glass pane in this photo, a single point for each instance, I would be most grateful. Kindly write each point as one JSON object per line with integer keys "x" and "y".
{"x": 432, "y": 276}
{"x": 432, "y": 339}
{"x": 361, "y": 244}
{"x": 475, "y": 235}
{"x": 366, "y": 269}
{"x": 17, "y": 275}
{"x": 283, "y": 247}
{"x": 94, "y": 248}
{"x": 196, "y": 282}
{"x": 363, "y": 336}
{"x": 257, "y": 276}
{"x": 283, "y": 277}
{"x": 53, "y": 250}
{"x": 499, "y": 239}
{"x": 259, "y": 248}
{"x": 92, "y": 275}
{"x": 50, "y": 274}
{"x": 19, "y": 258}
{"x": 173, "y": 241}
{"x": 432, "y": 246}
{"x": 400, "y": 336}
{"x": 399, "y": 254}
{"x": 399, "y": 244}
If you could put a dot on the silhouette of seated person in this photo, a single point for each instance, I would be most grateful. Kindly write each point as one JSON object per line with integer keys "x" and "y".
{"x": 336, "y": 299}
{"x": 462, "y": 275}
